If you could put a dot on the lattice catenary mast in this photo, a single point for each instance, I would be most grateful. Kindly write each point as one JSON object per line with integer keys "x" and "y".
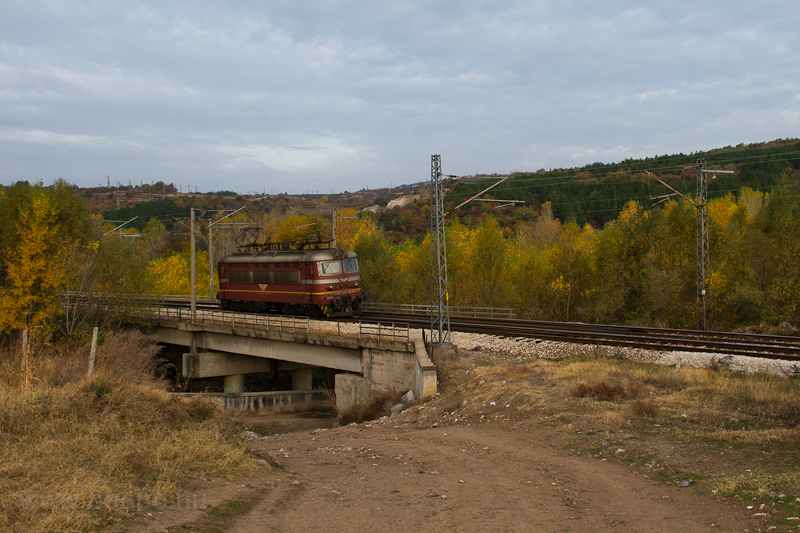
{"x": 440, "y": 304}
{"x": 703, "y": 266}
{"x": 701, "y": 204}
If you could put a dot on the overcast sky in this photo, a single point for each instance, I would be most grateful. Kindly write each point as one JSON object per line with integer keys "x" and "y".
{"x": 314, "y": 95}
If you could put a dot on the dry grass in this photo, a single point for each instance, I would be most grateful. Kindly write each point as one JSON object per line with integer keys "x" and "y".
{"x": 645, "y": 408}
{"x": 614, "y": 419}
{"x": 377, "y": 406}
{"x": 78, "y": 452}
{"x": 691, "y": 422}
{"x": 513, "y": 372}
{"x": 759, "y": 487}
{"x": 718, "y": 398}
{"x": 606, "y": 390}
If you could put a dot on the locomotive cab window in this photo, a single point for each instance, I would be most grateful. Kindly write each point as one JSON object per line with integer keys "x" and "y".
{"x": 329, "y": 267}
{"x": 350, "y": 265}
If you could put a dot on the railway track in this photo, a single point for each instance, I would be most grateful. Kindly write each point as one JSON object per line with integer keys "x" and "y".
{"x": 766, "y": 346}
{"x": 660, "y": 339}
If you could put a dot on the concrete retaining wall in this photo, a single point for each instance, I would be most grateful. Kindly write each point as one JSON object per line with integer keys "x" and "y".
{"x": 400, "y": 370}
{"x": 426, "y": 384}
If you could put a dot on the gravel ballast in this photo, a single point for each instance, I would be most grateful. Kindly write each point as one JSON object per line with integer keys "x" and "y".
{"x": 525, "y": 348}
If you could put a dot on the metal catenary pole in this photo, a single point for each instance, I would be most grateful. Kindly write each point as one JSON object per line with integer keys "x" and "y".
{"x": 701, "y": 205}
{"x": 703, "y": 264}
{"x": 440, "y": 305}
{"x": 193, "y": 273}
{"x": 211, "y": 254}
{"x": 702, "y": 244}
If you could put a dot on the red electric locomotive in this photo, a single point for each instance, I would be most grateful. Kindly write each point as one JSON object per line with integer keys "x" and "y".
{"x": 318, "y": 282}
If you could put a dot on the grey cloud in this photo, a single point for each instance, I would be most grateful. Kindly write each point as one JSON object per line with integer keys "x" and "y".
{"x": 355, "y": 94}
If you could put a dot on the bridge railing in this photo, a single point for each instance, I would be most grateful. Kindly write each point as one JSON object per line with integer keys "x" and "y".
{"x": 143, "y": 298}
{"x": 396, "y": 332}
{"x": 283, "y": 323}
{"x": 424, "y": 309}
{"x": 291, "y": 324}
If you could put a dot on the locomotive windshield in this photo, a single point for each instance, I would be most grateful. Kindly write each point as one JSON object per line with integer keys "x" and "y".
{"x": 329, "y": 267}
{"x": 350, "y": 265}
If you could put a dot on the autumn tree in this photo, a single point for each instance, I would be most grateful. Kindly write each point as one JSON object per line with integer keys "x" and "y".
{"x": 299, "y": 227}
{"x": 44, "y": 228}
{"x": 377, "y": 261}
{"x": 172, "y": 274}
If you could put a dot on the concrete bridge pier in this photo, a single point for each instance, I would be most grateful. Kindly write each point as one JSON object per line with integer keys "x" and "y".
{"x": 234, "y": 384}
{"x": 301, "y": 379}
{"x": 234, "y": 367}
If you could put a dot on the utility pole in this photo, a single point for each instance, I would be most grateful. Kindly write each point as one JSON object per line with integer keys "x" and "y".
{"x": 334, "y": 225}
{"x": 193, "y": 271}
{"x": 440, "y": 301}
{"x": 211, "y": 254}
{"x": 701, "y": 205}
{"x": 703, "y": 267}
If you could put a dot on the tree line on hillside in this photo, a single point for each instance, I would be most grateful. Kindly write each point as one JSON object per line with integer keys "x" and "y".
{"x": 638, "y": 268}
{"x": 596, "y": 194}
{"x": 52, "y": 248}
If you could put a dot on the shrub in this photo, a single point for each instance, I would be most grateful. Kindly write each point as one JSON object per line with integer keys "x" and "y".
{"x": 606, "y": 390}
{"x": 644, "y": 408}
{"x": 375, "y": 407}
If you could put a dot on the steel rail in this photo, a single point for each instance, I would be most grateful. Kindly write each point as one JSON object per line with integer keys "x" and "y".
{"x": 638, "y": 330}
{"x": 754, "y": 345}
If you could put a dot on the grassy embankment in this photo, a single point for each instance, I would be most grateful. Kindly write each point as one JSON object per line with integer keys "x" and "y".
{"x": 729, "y": 434}
{"x": 77, "y": 453}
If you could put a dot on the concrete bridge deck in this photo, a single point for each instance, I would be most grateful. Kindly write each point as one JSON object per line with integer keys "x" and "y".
{"x": 372, "y": 357}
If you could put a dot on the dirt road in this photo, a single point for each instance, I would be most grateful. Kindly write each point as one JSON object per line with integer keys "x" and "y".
{"x": 499, "y": 450}
{"x": 491, "y": 477}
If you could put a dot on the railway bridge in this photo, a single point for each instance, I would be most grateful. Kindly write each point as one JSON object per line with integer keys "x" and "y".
{"x": 230, "y": 345}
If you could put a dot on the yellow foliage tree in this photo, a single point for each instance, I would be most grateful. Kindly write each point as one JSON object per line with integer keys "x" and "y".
{"x": 301, "y": 227}
{"x": 30, "y": 296}
{"x": 171, "y": 274}
{"x": 347, "y": 224}
{"x": 722, "y": 209}
{"x": 378, "y": 263}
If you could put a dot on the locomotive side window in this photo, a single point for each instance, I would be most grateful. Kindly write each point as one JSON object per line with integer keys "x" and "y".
{"x": 350, "y": 265}
{"x": 329, "y": 267}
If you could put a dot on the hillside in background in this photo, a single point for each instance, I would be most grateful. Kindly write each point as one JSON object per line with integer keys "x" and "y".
{"x": 597, "y": 193}
{"x": 593, "y": 194}
{"x": 596, "y": 244}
